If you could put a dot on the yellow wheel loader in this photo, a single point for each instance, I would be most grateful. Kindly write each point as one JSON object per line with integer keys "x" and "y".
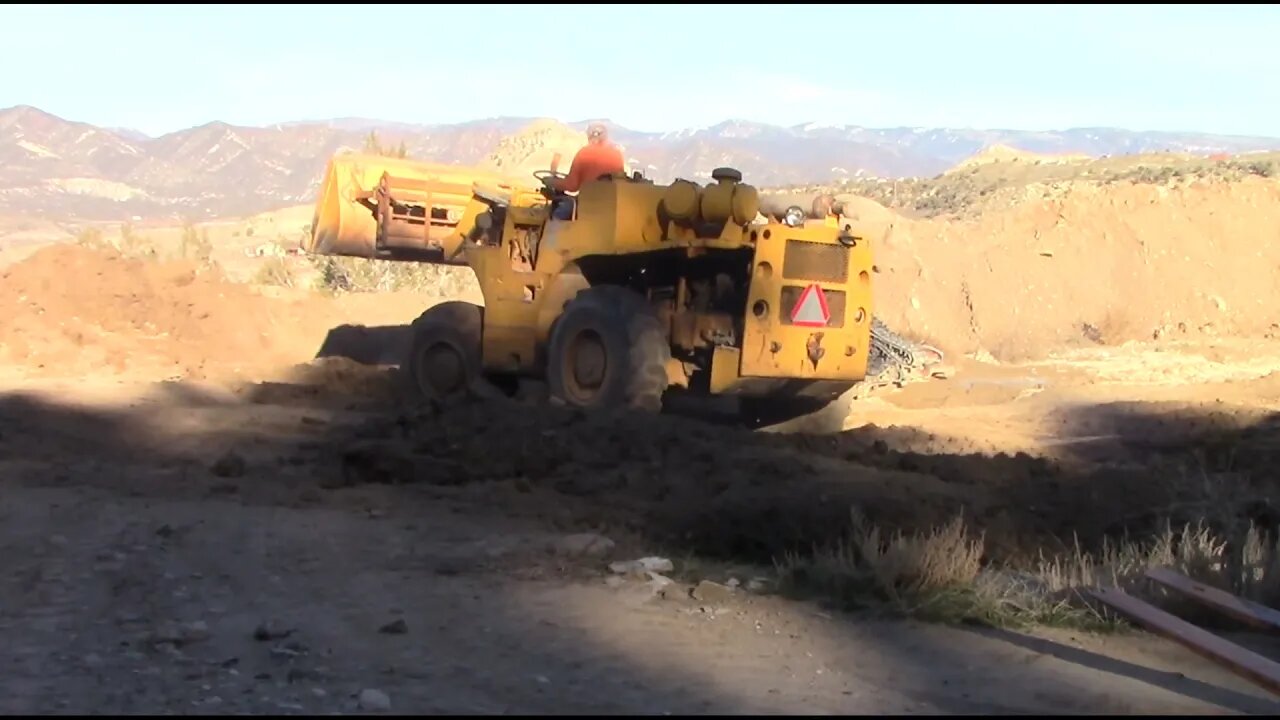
{"x": 622, "y": 295}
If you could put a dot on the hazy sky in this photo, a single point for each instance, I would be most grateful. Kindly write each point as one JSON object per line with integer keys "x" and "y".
{"x": 164, "y": 68}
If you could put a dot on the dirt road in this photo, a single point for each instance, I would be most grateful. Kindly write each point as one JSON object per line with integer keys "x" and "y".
{"x": 490, "y": 628}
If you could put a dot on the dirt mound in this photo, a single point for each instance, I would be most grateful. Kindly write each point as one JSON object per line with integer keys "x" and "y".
{"x": 1006, "y": 154}
{"x": 70, "y": 309}
{"x": 326, "y": 382}
{"x": 726, "y": 492}
{"x": 1086, "y": 265}
{"x": 720, "y": 489}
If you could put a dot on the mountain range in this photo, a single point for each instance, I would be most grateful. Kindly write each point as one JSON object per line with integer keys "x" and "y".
{"x": 58, "y": 168}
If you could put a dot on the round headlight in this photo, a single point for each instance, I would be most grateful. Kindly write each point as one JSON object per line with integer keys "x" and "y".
{"x": 794, "y": 217}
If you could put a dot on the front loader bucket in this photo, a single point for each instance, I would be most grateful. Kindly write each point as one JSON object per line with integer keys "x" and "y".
{"x": 345, "y": 220}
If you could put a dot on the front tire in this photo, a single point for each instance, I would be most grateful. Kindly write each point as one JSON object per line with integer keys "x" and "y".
{"x": 608, "y": 349}
{"x": 443, "y": 364}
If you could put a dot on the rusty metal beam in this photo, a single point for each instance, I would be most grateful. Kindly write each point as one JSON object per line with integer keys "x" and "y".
{"x": 1246, "y": 611}
{"x": 1244, "y": 663}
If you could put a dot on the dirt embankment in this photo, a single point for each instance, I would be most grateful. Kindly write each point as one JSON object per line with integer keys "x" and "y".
{"x": 1092, "y": 265}
{"x": 70, "y": 311}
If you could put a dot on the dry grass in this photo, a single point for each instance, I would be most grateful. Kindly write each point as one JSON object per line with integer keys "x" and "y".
{"x": 277, "y": 271}
{"x": 194, "y": 244}
{"x": 941, "y": 575}
{"x": 93, "y": 239}
{"x": 330, "y": 275}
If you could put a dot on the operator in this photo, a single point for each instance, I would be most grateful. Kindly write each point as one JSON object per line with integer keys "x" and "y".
{"x": 598, "y": 157}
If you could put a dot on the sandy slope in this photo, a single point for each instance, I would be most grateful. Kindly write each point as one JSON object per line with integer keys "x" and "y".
{"x": 1093, "y": 264}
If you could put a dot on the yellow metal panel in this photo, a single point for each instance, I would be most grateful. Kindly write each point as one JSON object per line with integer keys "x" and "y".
{"x": 774, "y": 348}
{"x": 558, "y": 290}
{"x": 724, "y": 368}
{"x": 510, "y": 309}
{"x": 620, "y": 217}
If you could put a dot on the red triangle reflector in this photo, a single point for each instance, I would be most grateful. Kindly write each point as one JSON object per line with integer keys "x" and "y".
{"x": 811, "y": 309}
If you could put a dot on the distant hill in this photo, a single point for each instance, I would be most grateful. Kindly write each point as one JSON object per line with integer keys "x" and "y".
{"x": 71, "y": 170}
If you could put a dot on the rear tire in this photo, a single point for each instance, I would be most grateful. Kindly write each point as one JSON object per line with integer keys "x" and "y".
{"x": 443, "y": 364}
{"x": 608, "y": 349}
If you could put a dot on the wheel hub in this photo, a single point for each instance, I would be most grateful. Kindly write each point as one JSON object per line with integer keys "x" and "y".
{"x": 588, "y": 363}
{"x": 441, "y": 371}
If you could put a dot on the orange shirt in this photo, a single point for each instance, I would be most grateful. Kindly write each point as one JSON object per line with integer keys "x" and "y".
{"x": 590, "y": 163}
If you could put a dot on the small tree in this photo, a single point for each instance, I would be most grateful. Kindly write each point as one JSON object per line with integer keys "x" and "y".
{"x": 195, "y": 244}
{"x": 373, "y": 146}
{"x": 190, "y": 238}
{"x": 91, "y": 238}
{"x": 133, "y": 244}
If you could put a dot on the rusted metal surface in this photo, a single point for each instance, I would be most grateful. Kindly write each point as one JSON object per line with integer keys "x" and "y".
{"x": 1246, "y": 611}
{"x": 814, "y": 350}
{"x": 820, "y": 262}
{"x": 1247, "y": 664}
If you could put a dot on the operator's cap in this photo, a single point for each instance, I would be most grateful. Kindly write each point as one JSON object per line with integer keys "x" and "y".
{"x": 596, "y": 129}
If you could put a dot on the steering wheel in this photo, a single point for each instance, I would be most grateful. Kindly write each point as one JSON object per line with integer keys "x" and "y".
{"x": 544, "y": 175}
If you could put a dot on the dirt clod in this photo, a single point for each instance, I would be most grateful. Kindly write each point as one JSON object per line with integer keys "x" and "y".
{"x": 642, "y": 566}
{"x": 271, "y": 630}
{"x": 229, "y": 465}
{"x": 711, "y": 592}
{"x": 374, "y": 699}
{"x": 583, "y": 545}
{"x": 395, "y": 627}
